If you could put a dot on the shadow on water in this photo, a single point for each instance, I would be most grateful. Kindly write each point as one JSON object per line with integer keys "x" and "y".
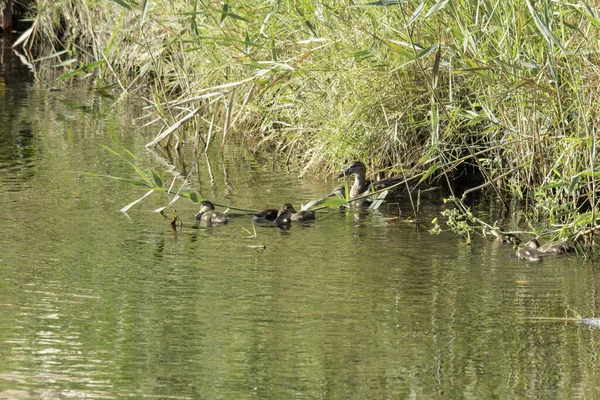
{"x": 354, "y": 305}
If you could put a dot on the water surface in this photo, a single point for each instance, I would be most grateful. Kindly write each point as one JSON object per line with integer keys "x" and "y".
{"x": 97, "y": 304}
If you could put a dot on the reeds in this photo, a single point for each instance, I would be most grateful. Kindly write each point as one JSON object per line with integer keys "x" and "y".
{"x": 507, "y": 87}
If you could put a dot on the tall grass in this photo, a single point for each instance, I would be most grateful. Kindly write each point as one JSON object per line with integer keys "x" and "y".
{"x": 509, "y": 87}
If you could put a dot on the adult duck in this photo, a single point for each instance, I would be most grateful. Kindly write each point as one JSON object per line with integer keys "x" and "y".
{"x": 208, "y": 215}
{"x": 361, "y": 185}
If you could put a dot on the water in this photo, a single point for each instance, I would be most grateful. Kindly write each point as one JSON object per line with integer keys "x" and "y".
{"x": 97, "y": 304}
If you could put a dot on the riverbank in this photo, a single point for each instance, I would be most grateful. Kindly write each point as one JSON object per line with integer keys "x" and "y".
{"x": 493, "y": 97}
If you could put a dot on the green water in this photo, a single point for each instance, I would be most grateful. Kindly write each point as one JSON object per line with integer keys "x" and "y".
{"x": 98, "y": 304}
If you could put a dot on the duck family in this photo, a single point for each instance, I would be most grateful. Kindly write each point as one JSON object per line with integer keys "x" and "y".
{"x": 286, "y": 213}
{"x": 358, "y": 197}
{"x": 532, "y": 250}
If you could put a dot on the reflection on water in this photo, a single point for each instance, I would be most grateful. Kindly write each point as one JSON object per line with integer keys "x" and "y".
{"x": 95, "y": 304}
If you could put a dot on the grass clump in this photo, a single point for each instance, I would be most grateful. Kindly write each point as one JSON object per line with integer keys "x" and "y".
{"x": 505, "y": 89}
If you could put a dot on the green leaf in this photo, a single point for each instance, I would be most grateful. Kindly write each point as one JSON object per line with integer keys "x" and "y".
{"x": 123, "y": 4}
{"x": 416, "y": 13}
{"x": 66, "y": 62}
{"x": 436, "y": 7}
{"x": 156, "y": 178}
{"x": 190, "y": 194}
{"x": 430, "y": 171}
{"x": 225, "y": 10}
{"x": 543, "y": 28}
{"x": 144, "y": 12}
{"x": 85, "y": 68}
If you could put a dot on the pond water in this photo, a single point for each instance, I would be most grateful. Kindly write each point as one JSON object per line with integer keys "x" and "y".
{"x": 98, "y": 304}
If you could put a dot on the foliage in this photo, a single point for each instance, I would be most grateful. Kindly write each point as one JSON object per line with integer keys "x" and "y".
{"x": 504, "y": 88}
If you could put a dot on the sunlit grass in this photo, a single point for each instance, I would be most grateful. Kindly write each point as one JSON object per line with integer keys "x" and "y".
{"x": 422, "y": 87}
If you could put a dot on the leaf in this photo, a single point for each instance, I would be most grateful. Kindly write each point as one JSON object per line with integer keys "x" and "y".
{"x": 156, "y": 178}
{"x": 24, "y": 36}
{"x": 325, "y": 202}
{"x": 428, "y": 51}
{"x": 190, "y": 194}
{"x": 377, "y": 202}
{"x": 66, "y": 62}
{"x": 224, "y": 11}
{"x": 58, "y": 53}
{"x": 416, "y": 13}
{"x": 144, "y": 12}
{"x": 436, "y": 7}
{"x": 172, "y": 128}
{"x": 430, "y": 171}
{"x": 128, "y": 206}
{"x": 123, "y": 4}
{"x": 543, "y": 28}
{"x": 85, "y": 68}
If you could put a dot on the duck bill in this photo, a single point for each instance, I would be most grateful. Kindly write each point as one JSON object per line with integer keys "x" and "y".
{"x": 198, "y": 214}
{"x": 343, "y": 174}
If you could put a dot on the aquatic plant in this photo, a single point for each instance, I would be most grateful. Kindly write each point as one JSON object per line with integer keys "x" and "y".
{"x": 498, "y": 92}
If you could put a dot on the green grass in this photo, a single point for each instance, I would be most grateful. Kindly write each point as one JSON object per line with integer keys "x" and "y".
{"x": 507, "y": 86}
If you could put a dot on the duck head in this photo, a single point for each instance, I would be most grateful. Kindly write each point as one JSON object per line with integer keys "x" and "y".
{"x": 205, "y": 206}
{"x": 355, "y": 168}
{"x": 284, "y": 216}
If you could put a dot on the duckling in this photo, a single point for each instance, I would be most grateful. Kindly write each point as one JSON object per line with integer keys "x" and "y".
{"x": 302, "y": 215}
{"x": 361, "y": 186}
{"x": 504, "y": 237}
{"x": 529, "y": 252}
{"x": 269, "y": 214}
{"x": 553, "y": 247}
{"x": 287, "y": 214}
{"x": 208, "y": 214}
{"x": 284, "y": 217}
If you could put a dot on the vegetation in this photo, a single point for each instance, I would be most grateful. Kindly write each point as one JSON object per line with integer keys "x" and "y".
{"x": 503, "y": 91}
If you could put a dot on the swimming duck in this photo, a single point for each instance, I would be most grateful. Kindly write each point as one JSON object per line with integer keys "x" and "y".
{"x": 552, "y": 248}
{"x": 302, "y": 215}
{"x": 504, "y": 237}
{"x": 208, "y": 214}
{"x": 361, "y": 185}
{"x": 269, "y": 214}
{"x": 287, "y": 213}
{"x": 529, "y": 252}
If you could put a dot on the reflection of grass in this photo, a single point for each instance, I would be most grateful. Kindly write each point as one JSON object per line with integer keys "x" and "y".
{"x": 149, "y": 179}
{"x": 254, "y": 235}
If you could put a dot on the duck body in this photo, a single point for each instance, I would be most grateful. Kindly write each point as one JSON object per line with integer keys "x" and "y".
{"x": 359, "y": 187}
{"x": 208, "y": 215}
{"x": 552, "y": 248}
{"x": 269, "y": 215}
{"x": 529, "y": 254}
{"x": 287, "y": 213}
{"x": 362, "y": 186}
{"x": 505, "y": 238}
{"x": 304, "y": 215}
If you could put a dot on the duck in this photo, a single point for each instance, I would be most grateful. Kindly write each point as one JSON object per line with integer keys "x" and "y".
{"x": 554, "y": 248}
{"x": 208, "y": 215}
{"x": 287, "y": 213}
{"x": 503, "y": 237}
{"x": 361, "y": 185}
{"x": 270, "y": 214}
{"x": 529, "y": 252}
